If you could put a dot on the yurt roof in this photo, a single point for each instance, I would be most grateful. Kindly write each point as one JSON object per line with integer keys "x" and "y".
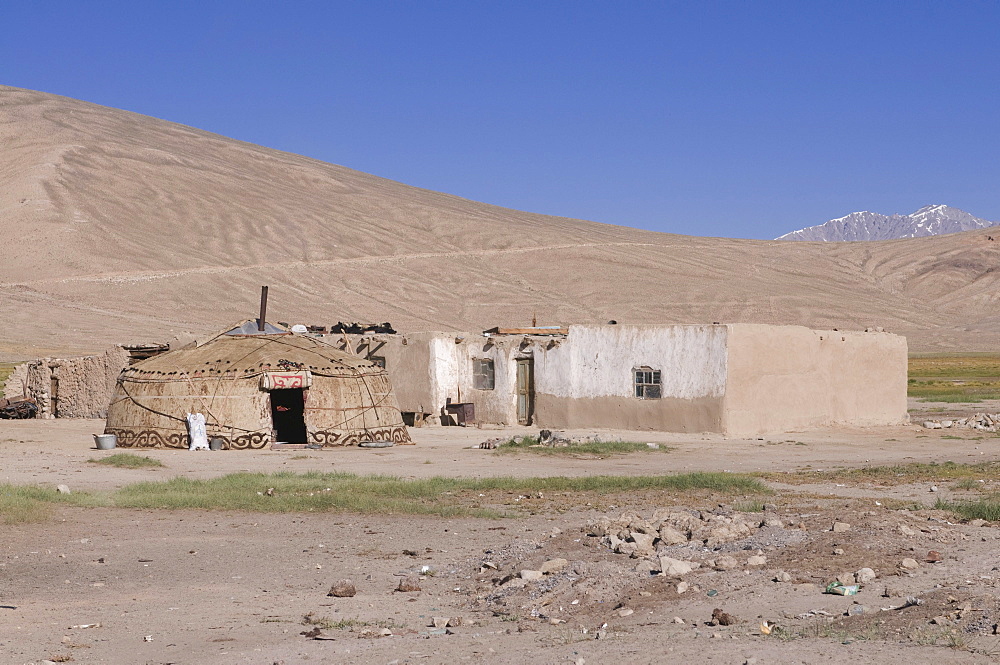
{"x": 250, "y": 355}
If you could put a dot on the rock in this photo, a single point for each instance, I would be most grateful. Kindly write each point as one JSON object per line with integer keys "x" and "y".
{"x": 726, "y": 562}
{"x": 343, "y": 589}
{"x": 846, "y": 578}
{"x": 909, "y": 564}
{"x": 671, "y": 536}
{"x": 455, "y": 622}
{"x": 678, "y": 620}
{"x": 772, "y": 522}
{"x": 757, "y": 560}
{"x": 782, "y": 576}
{"x": 933, "y": 488}
{"x": 626, "y": 548}
{"x": 841, "y": 527}
{"x": 643, "y": 543}
{"x": 941, "y": 621}
{"x": 553, "y": 566}
{"x": 514, "y": 583}
{"x": 933, "y": 557}
{"x": 531, "y": 575}
{"x": 727, "y": 532}
{"x": 907, "y": 531}
{"x": 599, "y": 527}
{"x": 63, "y": 489}
{"x": 646, "y": 566}
{"x": 947, "y": 423}
{"x": 865, "y": 576}
{"x": 440, "y": 622}
{"x": 625, "y": 611}
{"x": 930, "y": 424}
{"x": 675, "y": 567}
{"x": 408, "y": 584}
{"x": 682, "y": 587}
{"x": 637, "y": 524}
{"x": 838, "y": 552}
{"x": 723, "y": 618}
{"x": 977, "y": 522}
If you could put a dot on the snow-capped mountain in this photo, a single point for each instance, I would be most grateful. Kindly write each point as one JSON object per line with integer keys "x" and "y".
{"x": 928, "y": 221}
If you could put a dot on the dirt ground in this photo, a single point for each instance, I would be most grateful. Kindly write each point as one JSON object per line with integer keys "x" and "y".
{"x": 192, "y": 587}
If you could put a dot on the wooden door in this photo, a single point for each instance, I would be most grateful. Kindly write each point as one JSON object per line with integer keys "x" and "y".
{"x": 525, "y": 391}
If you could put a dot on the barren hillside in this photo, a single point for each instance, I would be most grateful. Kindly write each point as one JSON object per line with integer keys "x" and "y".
{"x": 121, "y": 227}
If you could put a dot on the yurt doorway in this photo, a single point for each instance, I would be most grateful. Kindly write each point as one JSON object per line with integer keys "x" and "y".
{"x": 288, "y": 409}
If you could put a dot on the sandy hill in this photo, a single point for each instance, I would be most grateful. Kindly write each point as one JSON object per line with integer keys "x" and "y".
{"x": 121, "y": 227}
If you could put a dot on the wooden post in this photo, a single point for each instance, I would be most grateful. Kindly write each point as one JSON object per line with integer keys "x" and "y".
{"x": 263, "y": 308}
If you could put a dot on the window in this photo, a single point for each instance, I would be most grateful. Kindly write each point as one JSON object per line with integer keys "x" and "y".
{"x": 378, "y": 360}
{"x": 647, "y": 383}
{"x": 482, "y": 374}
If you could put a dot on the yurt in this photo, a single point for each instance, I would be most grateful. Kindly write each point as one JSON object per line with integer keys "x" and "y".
{"x": 256, "y": 387}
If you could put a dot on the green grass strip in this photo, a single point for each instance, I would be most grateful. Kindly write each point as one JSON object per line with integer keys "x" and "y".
{"x": 983, "y": 509}
{"x": 345, "y": 492}
{"x": 891, "y": 475}
{"x": 22, "y": 504}
{"x": 128, "y": 461}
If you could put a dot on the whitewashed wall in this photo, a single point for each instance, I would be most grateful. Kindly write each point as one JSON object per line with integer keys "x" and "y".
{"x": 597, "y": 361}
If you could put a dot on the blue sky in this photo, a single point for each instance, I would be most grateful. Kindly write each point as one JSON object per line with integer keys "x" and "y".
{"x": 742, "y": 119}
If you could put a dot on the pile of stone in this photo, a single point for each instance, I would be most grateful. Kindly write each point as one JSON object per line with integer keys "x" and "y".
{"x": 987, "y": 422}
{"x": 639, "y": 538}
{"x": 549, "y": 439}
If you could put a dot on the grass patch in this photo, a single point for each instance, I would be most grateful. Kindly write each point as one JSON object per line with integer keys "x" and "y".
{"x": 346, "y": 492}
{"x": 900, "y": 474}
{"x": 954, "y": 365}
{"x": 6, "y": 369}
{"x": 749, "y": 506}
{"x": 287, "y": 492}
{"x": 963, "y": 392}
{"x": 530, "y": 444}
{"x": 22, "y": 504}
{"x": 954, "y": 377}
{"x": 128, "y": 461}
{"x": 968, "y": 484}
{"x": 983, "y": 509}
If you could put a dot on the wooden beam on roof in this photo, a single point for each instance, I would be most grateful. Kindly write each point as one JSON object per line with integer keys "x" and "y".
{"x": 538, "y": 330}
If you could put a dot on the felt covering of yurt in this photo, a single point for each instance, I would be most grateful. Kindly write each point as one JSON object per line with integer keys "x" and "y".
{"x": 345, "y": 399}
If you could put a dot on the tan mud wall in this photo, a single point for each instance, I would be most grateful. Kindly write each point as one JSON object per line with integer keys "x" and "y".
{"x": 587, "y": 380}
{"x": 783, "y": 378}
{"x": 408, "y": 365}
{"x": 662, "y": 415}
{"x": 497, "y": 406}
{"x": 85, "y": 384}
{"x": 433, "y": 367}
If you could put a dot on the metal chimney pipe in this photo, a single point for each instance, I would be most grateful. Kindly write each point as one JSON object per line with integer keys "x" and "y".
{"x": 263, "y": 309}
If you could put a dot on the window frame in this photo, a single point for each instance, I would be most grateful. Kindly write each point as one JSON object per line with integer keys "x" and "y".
{"x": 484, "y": 375}
{"x": 647, "y": 383}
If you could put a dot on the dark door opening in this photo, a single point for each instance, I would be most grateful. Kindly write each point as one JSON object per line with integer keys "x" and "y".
{"x": 288, "y": 414}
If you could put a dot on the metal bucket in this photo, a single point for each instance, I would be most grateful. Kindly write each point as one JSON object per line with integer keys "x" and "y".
{"x": 217, "y": 443}
{"x": 105, "y": 441}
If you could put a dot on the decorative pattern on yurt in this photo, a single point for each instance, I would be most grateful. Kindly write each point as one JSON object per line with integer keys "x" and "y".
{"x": 255, "y": 389}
